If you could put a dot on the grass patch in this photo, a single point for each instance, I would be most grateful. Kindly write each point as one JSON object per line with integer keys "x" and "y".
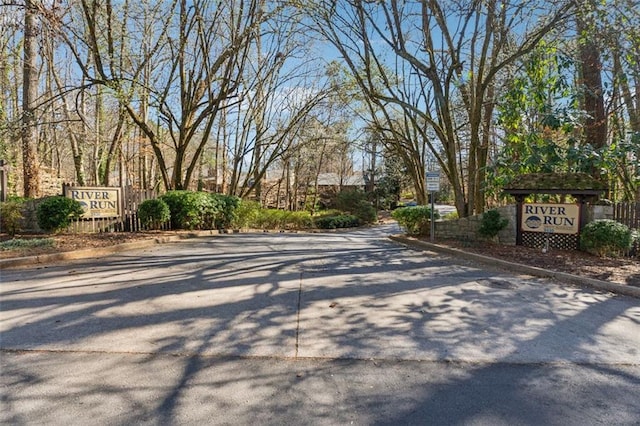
{"x": 20, "y": 243}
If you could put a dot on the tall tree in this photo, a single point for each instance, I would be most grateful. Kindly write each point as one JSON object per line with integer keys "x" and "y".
{"x": 198, "y": 50}
{"x": 280, "y": 91}
{"x": 590, "y": 80}
{"x": 11, "y": 51}
{"x": 31, "y": 176}
{"x": 615, "y": 30}
{"x": 439, "y": 63}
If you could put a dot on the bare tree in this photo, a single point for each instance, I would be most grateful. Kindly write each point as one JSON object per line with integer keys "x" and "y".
{"x": 11, "y": 51}
{"x": 193, "y": 56}
{"x": 437, "y": 64}
{"x": 280, "y": 89}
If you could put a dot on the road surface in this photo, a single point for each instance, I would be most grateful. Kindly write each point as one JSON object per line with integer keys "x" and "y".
{"x": 334, "y": 328}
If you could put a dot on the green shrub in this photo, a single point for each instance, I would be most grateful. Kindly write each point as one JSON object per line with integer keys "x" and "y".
{"x": 56, "y": 213}
{"x": 357, "y": 204}
{"x": 178, "y": 210}
{"x": 338, "y": 221}
{"x": 153, "y": 213}
{"x": 250, "y": 214}
{"x": 226, "y": 207}
{"x": 416, "y": 220}
{"x": 327, "y": 212}
{"x": 246, "y": 214}
{"x": 11, "y": 216}
{"x": 606, "y": 238}
{"x": 194, "y": 210}
{"x": 491, "y": 224}
{"x": 300, "y": 220}
{"x": 272, "y": 219}
{"x": 451, "y": 216}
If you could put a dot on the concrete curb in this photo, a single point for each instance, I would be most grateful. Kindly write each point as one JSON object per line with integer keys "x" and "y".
{"x": 97, "y": 252}
{"x": 520, "y": 268}
{"x": 16, "y": 262}
{"x": 408, "y": 241}
{"x": 43, "y": 259}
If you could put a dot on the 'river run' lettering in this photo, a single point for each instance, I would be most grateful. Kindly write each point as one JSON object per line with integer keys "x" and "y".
{"x": 102, "y": 205}
{"x": 544, "y": 210}
{"x": 89, "y": 195}
{"x": 558, "y": 221}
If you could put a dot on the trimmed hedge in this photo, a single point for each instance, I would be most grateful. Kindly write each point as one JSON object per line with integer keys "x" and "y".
{"x": 56, "y": 213}
{"x": 606, "y": 238}
{"x": 416, "y": 220}
{"x": 153, "y": 213}
{"x": 200, "y": 210}
{"x": 281, "y": 219}
{"x": 337, "y": 221}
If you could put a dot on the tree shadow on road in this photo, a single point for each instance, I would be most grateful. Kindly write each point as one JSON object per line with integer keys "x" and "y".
{"x": 337, "y": 296}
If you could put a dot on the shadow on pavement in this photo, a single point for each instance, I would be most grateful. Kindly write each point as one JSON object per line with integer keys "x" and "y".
{"x": 339, "y": 310}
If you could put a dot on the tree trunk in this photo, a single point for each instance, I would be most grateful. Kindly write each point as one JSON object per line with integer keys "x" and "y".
{"x": 31, "y": 173}
{"x": 591, "y": 79}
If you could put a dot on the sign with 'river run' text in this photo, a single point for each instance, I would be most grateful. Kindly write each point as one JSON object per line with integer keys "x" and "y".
{"x": 554, "y": 218}
{"x": 97, "y": 202}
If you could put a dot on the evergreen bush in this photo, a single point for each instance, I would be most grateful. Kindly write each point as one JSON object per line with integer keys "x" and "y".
{"x": 201, "y": 210}
{"x": 56, "y": 213}
{"x": 11, "y": 215}
{"x": 357, "y": 204}
{"x": 226, "y": 208}
{"x": 337, "y": 221}
{"x": 190, "y": 210}
{"x": 153, "y": 213}
{"x": 416, "y": 220}
{"x": 606, "y": 238}
{"x": 246, "y": 214}
{"x": 492, "y": 223}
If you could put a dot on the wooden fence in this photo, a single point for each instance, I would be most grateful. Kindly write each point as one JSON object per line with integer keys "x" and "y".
{"x": 627, "y": 213}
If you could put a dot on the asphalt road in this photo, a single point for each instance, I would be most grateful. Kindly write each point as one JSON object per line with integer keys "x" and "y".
{"x": 344, "y": 328}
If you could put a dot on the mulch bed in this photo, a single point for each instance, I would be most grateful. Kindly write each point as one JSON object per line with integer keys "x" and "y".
{"x": 619, "y": 270}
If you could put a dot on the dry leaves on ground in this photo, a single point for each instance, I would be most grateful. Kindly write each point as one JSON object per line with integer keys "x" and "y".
{"x": 621, "y": 270}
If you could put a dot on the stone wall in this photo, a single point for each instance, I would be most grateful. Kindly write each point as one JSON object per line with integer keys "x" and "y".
{"x": 599, "y": 212}
{"x": 466, "y": 228}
